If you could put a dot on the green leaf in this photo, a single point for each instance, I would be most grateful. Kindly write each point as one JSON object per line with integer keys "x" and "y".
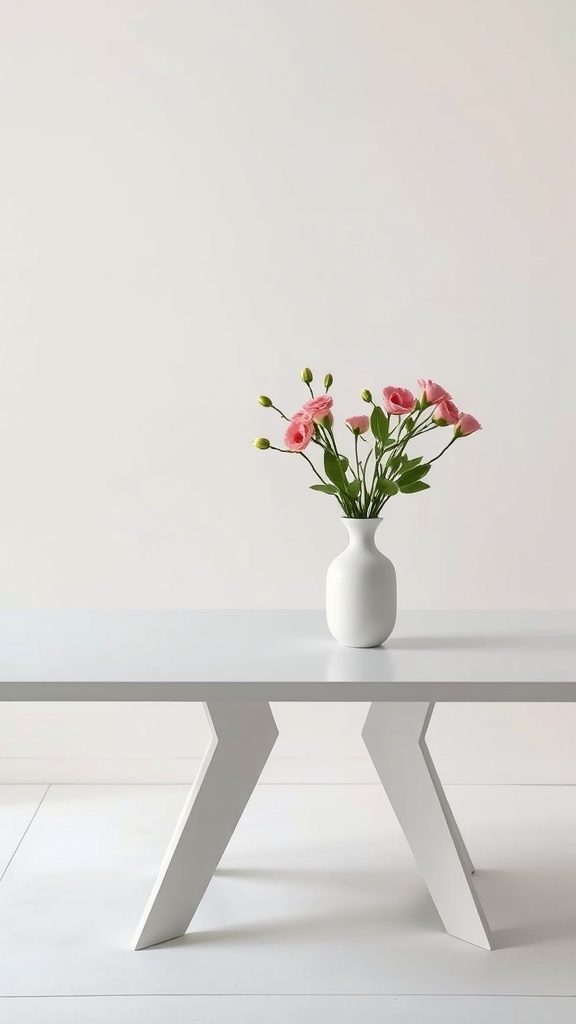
{"x": 395, "y": 462}
{"x": 411, "y": 463}
{"x": 334, "y": 469}
{"x": 385, "y": 486}
{"x": 408, "y": 425}
{"x": 325, "y": 488}
{"x": 412, "y": 475}
{"x": 379, "y": 424}
{"x": 354, "y": 489}
{"x": 413, "y": 488}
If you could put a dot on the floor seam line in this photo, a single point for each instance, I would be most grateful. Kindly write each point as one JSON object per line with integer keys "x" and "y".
{"x": 24, "y": 834}
{"x": 297, "y": 995}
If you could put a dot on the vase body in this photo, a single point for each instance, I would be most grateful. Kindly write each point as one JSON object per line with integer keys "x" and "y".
{"x": 361, "y": 589}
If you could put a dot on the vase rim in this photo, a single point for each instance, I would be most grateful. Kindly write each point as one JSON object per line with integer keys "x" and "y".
{"x": 361, "y": 519}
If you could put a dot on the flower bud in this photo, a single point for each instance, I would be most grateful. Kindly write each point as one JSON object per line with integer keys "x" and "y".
{"x": 306, "y": 375}
{"x": 445, "y": 414}
{"x": 366, "y": 396}
{"x": 432, "y": 393}
{"x": 358, "y": 424}
{"x": 467, "y": 424}
{"x": 265, "y": 401}
{"x": 262, "y": 443}
{"x": 328, "y": 381}
{"x": 327, "y": 420}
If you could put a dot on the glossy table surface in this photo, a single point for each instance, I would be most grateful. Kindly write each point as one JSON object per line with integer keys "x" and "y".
{"x": 284, "y": 655}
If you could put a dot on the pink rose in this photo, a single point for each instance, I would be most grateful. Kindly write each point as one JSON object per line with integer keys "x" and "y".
{"x": 358, "y": 424}
{"x": 299, "y": 433}
{"x": 467, "y": 424}
{"x": 445, "y": 413}
{"x": 398, "y": 401}
{"x": 319, "y": 407}
{"x": 433, "y": 392}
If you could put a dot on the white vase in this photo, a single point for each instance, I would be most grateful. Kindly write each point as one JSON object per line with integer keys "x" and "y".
{"x": 361, "y": 589}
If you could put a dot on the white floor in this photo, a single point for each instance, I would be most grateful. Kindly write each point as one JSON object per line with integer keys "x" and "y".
{"x": 317, "y": 914}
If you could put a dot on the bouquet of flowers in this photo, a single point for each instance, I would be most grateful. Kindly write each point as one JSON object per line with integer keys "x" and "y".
{"x": 381, "y": 466}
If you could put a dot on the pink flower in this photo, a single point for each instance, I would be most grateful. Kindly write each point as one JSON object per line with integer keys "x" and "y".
{"x": 302, "y": 417}
{"x": 445, "y": 413}
{"x": 433, "y": 392}
{"x": 467, "y": 424}
{"x": 358, "y": 424}
{"x": 319, "y": 407}
{"x": 299, "y": 433}
{"x": 398, "y": 401}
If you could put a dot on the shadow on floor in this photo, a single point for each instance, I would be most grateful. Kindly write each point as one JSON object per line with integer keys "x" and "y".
{"x": 375, "y": 897}
{"x": 529, "y": 906}
{"x": 491, "y": 641}
{"x": 524, "y": 906}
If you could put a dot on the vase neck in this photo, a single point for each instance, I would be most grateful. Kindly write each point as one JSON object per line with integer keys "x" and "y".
{"x": 362, "y": 531}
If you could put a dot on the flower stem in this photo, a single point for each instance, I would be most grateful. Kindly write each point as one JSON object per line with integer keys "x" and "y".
{"x": 366, "y": 493}
{"x": 312, "y": 466}
{"x": 445, "y": 449}
{"x": 276, "y": 409}
{"x": 286, "y": 451}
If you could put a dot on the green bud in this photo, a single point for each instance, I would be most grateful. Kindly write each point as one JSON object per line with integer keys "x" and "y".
{"x": 366, "y": 396}
{"x": 328, "y": 381}
{"x": 306, "y": 375}
{"x": 262, "y": 443}
{"x": 265, "y": 401}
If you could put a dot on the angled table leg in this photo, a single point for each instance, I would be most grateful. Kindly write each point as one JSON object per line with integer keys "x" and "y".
{"x": 243, "y": 736}
{"x": 394, "y": 734}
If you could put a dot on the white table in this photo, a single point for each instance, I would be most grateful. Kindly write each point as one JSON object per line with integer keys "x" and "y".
{"x": 236, "y": 662}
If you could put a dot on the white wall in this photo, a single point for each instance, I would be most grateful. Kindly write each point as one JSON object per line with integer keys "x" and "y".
{"x": 198, "y": 197}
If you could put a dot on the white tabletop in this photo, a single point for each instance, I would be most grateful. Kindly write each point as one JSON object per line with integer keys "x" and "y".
{"x": 285, "y": 656}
